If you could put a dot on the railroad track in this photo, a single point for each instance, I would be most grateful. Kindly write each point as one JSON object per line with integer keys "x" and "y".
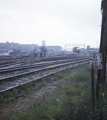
{"x": 11, "y": 82}
{"x": 23, "y": 59}
{"x": 35, "y": 65}
{"x": 29, "y": 60}
{"x": 11, "y": 62}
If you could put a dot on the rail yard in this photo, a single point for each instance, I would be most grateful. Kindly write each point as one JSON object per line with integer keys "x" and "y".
{"x": 15, "y": 72}
{"x": 46, "y": 82}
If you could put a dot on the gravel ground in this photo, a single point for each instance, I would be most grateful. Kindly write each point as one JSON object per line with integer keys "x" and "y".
{"x": 24, "y": 102}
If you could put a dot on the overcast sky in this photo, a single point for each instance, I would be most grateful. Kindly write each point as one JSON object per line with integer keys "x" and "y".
{"x": 57, "y": 21}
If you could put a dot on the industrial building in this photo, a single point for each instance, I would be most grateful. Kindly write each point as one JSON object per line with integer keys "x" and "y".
{"x": 6, "y": 47}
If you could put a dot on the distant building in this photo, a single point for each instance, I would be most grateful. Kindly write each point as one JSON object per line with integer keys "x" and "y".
{"x": 92, "y": 50}
{"x": 82, "y": 50}
{"x": 53, "y": 48}
{"x": 28, "y": 47}
{"x": 4, "y": 47}
{"x": 88, "y": 47}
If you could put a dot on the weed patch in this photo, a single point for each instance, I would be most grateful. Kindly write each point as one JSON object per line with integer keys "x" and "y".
{"x": 71, "y": 100}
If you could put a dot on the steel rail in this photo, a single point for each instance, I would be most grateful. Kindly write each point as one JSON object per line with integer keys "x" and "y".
{"x": 39, "y": 62}
{"x": 18, "y": 62}
{"x": 34, "y": 59}
{"x": 22, "y": 67}
{"x": 38, "y": 78}
{"x": 13, "y": 65}
{"x": 26, "y": 73}
{"x": 21, "y": 58}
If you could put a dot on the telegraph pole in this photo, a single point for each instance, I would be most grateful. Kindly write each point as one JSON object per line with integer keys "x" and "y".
{"x": 102, "y": 49}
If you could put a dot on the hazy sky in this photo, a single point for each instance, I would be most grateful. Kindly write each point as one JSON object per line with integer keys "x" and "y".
{"x": 56, "y": 21}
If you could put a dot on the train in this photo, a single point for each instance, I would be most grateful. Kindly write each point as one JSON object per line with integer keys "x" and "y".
{"x": 76, "y": 49}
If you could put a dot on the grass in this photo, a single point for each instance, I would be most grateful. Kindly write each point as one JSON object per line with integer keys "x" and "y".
{"x": 71, "y": 100}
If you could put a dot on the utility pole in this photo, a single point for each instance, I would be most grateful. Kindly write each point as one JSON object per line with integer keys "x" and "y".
{"x": 102, "y": 50}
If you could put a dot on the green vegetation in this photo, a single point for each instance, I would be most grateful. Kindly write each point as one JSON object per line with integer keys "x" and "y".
{"x": 71, "y": 100}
